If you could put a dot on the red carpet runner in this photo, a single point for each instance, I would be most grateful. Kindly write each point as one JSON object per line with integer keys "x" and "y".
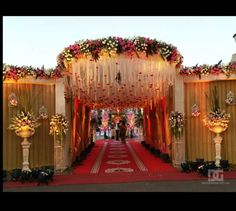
{"x": 117, "y": 157}
{"x": 114, "y": 162}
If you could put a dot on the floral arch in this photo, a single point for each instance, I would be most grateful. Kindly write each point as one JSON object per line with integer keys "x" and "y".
{"x": 118, "y": 72}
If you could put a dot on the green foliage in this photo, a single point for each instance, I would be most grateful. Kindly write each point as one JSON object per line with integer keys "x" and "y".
{"x": 215, "y": 100}
{"x": 214, "y": 103}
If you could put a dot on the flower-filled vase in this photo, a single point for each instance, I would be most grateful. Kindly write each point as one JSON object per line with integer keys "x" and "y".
{"x": 217, "y": 122}
{"x": 24, "y": 125}
{"x": 58, "y": 127}
{"x": 176, "y": 120}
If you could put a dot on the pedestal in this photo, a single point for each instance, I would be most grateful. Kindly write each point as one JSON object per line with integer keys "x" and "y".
{"x": 178, "y": 153}
{"x": 59, "y": 161}
{"x": 217, "y": 141}
{"x": 58, "y": 158}
{"x": 25, "y": 147}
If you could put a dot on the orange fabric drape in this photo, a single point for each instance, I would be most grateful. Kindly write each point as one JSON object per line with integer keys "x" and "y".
{"x": 75, "y": 137}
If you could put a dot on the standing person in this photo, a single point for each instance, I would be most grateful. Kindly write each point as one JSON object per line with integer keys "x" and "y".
{"x": 128, "y": 130}
{"x": 123, "y": 130}
{"x": 117, "y": 131}
{"x": 113, "y": 132}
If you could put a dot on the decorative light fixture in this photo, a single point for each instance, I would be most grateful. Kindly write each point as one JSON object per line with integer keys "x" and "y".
{"x": 43, "y": 113}
{"x": 195, "y": 110}
{"x": 12, "y": 100}
{"x": 230, "y": 99}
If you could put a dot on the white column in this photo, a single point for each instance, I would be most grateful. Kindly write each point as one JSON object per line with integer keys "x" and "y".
{"x": 233, "y": 59}
{"x": 217, "y": 141}
{"x": 25, "y": 148}
{"x": 60, "y": 99}
{"x": 179, "y": 144}
{"x": 61, "y": 109}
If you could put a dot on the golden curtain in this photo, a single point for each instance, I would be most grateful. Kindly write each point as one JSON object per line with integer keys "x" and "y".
{"x": 199, "y": 140}
{"x": 41, "y": 149}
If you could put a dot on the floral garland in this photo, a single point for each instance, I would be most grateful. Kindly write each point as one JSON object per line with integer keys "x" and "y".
{"x": 58, "y": 125}
{"x": 209, "y": 69}
{"x": 11, "y": 72}
{"x": 118, "y": 45}
{"x": 176, "y": 123}
{"x": 23, "y": 119}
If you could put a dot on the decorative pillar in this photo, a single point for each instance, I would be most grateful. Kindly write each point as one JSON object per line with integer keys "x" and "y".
{"x": 25, "y": 147}
{"x": 25, "y": 133}
{"x": 179, "y": 155}
{"x": 62, "y": 153}
{"x": 217, "y": 141}
{"x": 233, "y": 59}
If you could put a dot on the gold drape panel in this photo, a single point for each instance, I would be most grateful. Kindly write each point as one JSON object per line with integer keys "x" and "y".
{"x": 41, "y": 149}
{"x": 199, "y": 140}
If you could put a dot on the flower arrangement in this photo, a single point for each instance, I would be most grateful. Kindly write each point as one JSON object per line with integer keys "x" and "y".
{"x": 131, "y": 119}
{"x": 217, "y": 120}
{"x": 11, "y": 72}
{"x": 204, "y": 70}
{"x": 105, "y": 119}
{"x": 58, "y": 125}
{"x": 176, "y": 123}
{"x": 24, "y": 120}
{"x": 117, "y": 45}
{"x": 117, "y": 119}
